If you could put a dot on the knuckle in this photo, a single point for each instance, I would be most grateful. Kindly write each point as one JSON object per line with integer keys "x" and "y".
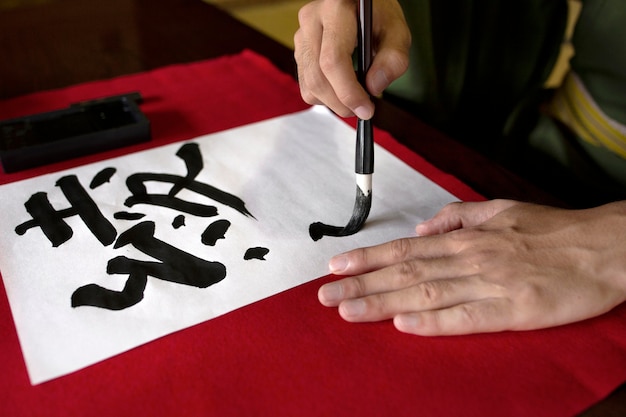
{"x": 469, "y": 242}
{"x": 380, "y": 305}
{"x": 343, "y": 112}
{"x": 360, "y": 257}
{"x": 476, "y": 260}
{"x": 306, "y": 13}
{"x": 347, "y": 98}
{"x": 431, "y": 324}
{"x": 469, "y": 316}
{"x": 451, "y": 208}
{"x": 400, "y": 249}
{"x": 307, "y": 96}
{"x": 315, "y": 83}
{"x": 297, "y": 41}
{"x": 405, "y": 274}
{"x": 328, "y": 60}
{"x": 528, "y": 295}
{"x": 312, "y": 85}
{"x": 356, "y": 287}
{"x": 431, "y": 292}
{"x": 398, "y": 62}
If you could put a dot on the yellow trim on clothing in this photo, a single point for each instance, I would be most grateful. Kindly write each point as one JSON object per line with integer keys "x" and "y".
{"x": 574, "y": 106}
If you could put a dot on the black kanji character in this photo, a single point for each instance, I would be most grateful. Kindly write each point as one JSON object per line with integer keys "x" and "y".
{"x": 175, "y": 266}
{"x": 52, "y": 221}
{"x": 190, "y": 153}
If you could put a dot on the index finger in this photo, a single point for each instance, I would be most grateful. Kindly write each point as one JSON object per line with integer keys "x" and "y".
{"x": 338, "y": 43}
{"x": 362, "y": 260}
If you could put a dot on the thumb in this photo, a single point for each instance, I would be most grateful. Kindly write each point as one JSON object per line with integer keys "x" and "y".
{"x": 460, "y": 215}
{"x": 387, "y": 66}
{"x": 392, "y": 41}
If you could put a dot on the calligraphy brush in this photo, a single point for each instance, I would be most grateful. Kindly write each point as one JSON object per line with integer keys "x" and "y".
{"x": 364, "y": 155}
{"x": 364, "y": 158}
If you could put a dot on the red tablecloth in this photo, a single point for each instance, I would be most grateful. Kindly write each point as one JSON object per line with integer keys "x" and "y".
{"x": 288, "y": 355}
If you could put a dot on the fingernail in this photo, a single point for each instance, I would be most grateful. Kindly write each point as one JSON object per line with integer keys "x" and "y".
{"x": 352, "y": 308}
{"x": 379, "y": 82}
{"x": 338, "y": 264}
{"x": 423, "y": 228}
{"x": 406, "y": 322}
{"x": 330, "y": 293}
{"x": 363, "y": 113}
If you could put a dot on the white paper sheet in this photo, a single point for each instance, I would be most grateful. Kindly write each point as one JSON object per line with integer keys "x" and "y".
{"x": 290, "y": 171}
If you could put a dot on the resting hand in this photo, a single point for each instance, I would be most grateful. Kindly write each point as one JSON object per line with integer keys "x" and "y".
{"x": 324, "y": 44}
{"x": 486, "y": 267}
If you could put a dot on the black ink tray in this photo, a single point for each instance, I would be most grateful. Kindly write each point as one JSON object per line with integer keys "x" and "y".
{"x": 81, "y": 129}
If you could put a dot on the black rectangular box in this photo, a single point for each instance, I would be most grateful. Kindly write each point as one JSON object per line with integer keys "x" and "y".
{"x": 81, "y": 129}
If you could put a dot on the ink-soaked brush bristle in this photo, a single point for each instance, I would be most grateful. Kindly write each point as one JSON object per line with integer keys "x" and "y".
{"x": 361, "y": 211}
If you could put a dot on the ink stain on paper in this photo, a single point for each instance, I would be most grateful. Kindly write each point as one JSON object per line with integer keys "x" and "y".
{"x": 178, "y": 222}
{"x": 256, "y": 253}
{"x": 125, "y": 215}
{"x": 102, "y": 177}
{"x": 318, "y": 230}
{"x": 214, "y": 231}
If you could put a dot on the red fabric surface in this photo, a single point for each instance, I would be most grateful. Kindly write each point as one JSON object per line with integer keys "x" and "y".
{"x": 287, "y": 355}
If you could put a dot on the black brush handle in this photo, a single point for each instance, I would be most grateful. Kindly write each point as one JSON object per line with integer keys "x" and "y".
{"x": 364, "y": 158}
{"x": 364, "y": 41}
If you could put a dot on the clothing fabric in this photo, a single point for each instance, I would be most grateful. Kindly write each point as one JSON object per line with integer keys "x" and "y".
{"x": 478, "y": 71}
{"x": 472, "y": 62}
{"x": 590, "y": 105}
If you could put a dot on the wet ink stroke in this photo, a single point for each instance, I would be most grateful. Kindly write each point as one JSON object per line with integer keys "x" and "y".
{"x": 214, "y": 231}
{"x": 318, "y": 230}
{"x": 178, "y": 222}
{"x": 256, "y": 253}
{"x": 125, "y": 215}
{"x": 102, "y": 177}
